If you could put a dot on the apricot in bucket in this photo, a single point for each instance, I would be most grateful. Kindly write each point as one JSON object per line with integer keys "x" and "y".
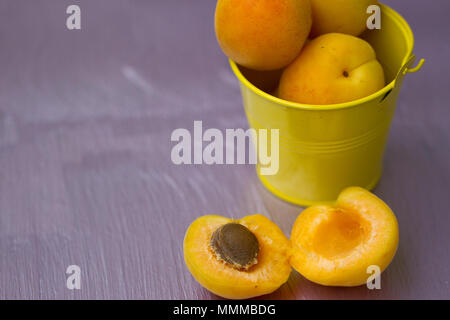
{"x": 263, "y": 34}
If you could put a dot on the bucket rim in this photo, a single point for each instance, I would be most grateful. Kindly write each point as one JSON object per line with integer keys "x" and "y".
{"x": 409, "y": 36}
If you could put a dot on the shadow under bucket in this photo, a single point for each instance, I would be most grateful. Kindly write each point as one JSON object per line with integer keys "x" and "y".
{"x": 325, "y": 148}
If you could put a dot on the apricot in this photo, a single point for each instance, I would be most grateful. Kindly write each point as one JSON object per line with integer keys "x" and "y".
{"x": 237, "y": 259}
{"x": 334, "y": 245}
{"x": 264, "y": 34}
{"x": 333, "y": 68}
{"x": 342, "y": 16}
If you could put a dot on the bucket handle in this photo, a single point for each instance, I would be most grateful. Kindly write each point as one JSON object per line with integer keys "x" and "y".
{"x": 406, "y": 68}
{"x": 416, "y": 68}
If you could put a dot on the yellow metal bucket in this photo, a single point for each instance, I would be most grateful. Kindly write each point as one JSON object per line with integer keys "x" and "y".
{"x": 324, "y": 149}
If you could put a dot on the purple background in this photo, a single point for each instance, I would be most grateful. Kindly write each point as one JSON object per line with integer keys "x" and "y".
{"x": 85, "y": 171}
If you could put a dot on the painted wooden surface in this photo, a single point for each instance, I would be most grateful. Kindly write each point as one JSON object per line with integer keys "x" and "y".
{"x": 85, "y": 170}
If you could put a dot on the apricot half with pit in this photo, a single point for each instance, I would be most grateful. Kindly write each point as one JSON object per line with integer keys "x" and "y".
{"x": 237, "y": 259}
{"x": 334, "y": 245}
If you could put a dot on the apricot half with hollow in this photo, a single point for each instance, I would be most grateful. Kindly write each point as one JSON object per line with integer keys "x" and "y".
{"x": 334, "y": 245}
{"x": 237, "y": 259}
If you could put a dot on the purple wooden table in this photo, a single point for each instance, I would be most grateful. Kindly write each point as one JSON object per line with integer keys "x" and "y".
{"x": 85, "y": 170}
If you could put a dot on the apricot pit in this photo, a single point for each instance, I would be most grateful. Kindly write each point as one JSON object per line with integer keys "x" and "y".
{"x": 236, "y": 245}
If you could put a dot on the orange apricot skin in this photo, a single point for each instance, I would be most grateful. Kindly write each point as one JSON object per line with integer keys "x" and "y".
{"x": 264, "y": 34}
{"x": 272, "y": 271}
{"x": 378, "y": 248}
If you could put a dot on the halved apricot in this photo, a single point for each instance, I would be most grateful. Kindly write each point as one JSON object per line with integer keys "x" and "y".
{"x": 223, "y": 256}
{"x": 334, "y": 245}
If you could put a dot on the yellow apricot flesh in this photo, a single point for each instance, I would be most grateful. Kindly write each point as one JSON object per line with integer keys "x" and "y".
{"x": 335, "y": 245}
